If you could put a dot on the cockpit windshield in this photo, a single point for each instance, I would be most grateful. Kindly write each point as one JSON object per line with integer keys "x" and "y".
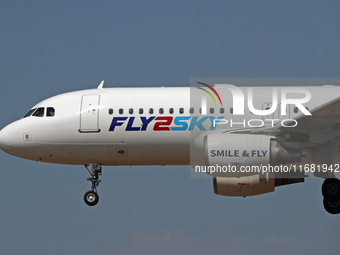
{"x": 39, "y": 112}
{"x": 30, "y": 112}
{"x": 50, "y": 112}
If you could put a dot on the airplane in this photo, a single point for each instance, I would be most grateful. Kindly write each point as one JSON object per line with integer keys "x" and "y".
{"x": 244, "y": 148}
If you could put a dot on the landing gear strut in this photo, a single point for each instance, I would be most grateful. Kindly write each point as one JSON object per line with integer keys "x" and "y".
{"x": 91, "y": 197}
{"x": 331, "y": 193}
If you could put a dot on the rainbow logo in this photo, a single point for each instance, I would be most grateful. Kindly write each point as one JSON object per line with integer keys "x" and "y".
{"x": 213, "y": 90}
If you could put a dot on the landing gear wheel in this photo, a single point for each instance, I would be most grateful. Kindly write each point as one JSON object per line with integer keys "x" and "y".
{"x": 91, "y": 198}
{"x": 331, "y": 189}
{"x": 333, "y": 207}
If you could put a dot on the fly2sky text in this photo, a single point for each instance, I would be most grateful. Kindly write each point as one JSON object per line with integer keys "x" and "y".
{"x": 182, "y": 123}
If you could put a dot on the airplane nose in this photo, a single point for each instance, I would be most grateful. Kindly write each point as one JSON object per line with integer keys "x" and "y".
{"x": 6, "y": 140}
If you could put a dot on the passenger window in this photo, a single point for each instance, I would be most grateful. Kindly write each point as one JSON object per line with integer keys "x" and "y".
{"x": 131, "y": 111}
{"x": 39, "y": 112}
{"x": 222, "y": 110}
{"x": 181, "y": 110}
{"x": 191, "y": 110}
{"x": 110, "y": 111}
{"x": 231, "y": 110}
{"x": 30, "y": 113}
{"x": 200, "y": 110}
{"x": 50, "y": 112}
{"x": 212, "y": 110}
{"x": 151, "y": 110}
{"x": 141, "y": 110}
{"x": 171, "y": 110}
{"x": 296, "y": 110}
{"x": 161, "y": 110}
{"x": 121, "y": 111}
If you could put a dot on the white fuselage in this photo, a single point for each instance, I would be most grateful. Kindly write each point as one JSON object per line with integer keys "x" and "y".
{"x": 88, "y": 127}
{"x": 59, "y": 139}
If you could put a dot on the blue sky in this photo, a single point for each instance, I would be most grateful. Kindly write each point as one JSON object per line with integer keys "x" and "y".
{"x": 52, "y": 47}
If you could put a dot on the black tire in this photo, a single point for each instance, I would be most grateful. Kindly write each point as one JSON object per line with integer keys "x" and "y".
{"x": 333, "y": 207}
{"x": 331, "y": 189}
{"x": 91, "y": 198}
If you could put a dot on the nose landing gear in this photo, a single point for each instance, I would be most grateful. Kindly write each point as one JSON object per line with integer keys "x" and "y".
{"x": 91, "y": 197}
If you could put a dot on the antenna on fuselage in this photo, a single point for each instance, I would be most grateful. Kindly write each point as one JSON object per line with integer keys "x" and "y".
{"x": 101, "y": 85}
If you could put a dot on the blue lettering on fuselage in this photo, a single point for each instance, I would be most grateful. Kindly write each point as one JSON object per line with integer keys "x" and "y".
{"x": 129, "y": 126}
{"x": 179, "y": 123}
{"x": 146, "y": 122}
{"x": 115, "y": 122}
{"x": 195, "y": 122}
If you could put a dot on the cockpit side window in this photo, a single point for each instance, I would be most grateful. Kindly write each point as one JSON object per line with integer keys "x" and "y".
{"x": 50, "y": 112}
{"x": 39, "y": 112}
{"x": 30, "y": 113}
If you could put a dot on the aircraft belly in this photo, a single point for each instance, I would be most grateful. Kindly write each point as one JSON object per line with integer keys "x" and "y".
{"x": 107, "y": 154}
